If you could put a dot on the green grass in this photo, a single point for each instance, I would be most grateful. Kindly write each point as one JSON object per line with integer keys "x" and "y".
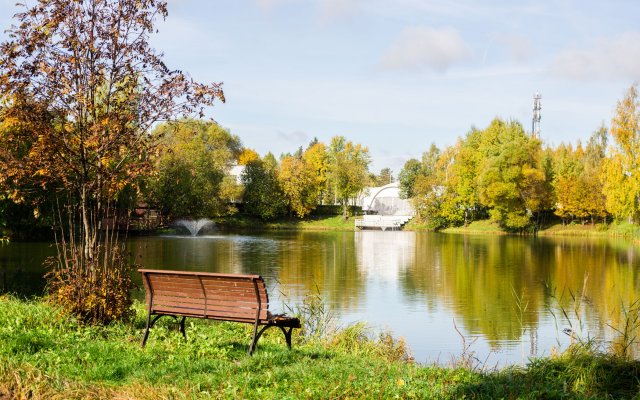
{"x": 46, "y": 355}
{"x": 616, "y": 229}
{"x": 316, "y": 223}
{"x": 477, "y": 227}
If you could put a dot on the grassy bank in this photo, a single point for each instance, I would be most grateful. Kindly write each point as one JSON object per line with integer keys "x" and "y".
{"x": 483, "y": 227}
{"x": 621, "y": 229}
{"x": 478, "y": 227}
{"x": 486, "y": 227}
{"x": 316, "y": 223}
{"x": 45, "y": 354}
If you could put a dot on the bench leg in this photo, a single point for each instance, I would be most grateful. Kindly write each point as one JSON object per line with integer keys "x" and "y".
{"x": 184, "y": 334}
{"x": 287, "y": 335}
{"x": 150, "y": 324}
{"x": 146, "y": 331}
{"x": 256, "y": 337}
{"x": 258, "y": 334}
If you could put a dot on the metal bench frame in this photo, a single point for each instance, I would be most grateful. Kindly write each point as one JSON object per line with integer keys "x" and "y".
{"x": 183, "y": 299}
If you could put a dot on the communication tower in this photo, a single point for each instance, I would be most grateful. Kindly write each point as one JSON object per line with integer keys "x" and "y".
{"x": 535, "y": 125}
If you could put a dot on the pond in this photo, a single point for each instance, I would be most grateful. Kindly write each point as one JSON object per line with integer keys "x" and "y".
{"x": 504, "y": 298}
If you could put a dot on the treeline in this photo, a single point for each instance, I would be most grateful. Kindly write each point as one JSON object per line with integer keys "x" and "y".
{"x": 199, "y": 169}
{"x": 193, "y": 174}
{"x": 503, "y": 173}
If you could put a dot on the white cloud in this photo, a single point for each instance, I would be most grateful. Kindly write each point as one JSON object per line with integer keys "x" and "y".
{"x": 610, "y": 58}
{"x": 421, "y": 47}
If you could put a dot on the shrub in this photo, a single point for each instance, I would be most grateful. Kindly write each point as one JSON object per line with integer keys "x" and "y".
{"x": 94, "y": 293}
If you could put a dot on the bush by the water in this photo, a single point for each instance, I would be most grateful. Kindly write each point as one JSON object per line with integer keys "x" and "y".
{"x": 93, "y": 291}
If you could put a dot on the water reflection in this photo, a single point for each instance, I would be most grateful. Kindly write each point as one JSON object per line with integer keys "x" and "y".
{"x": 384, "y": 256}
{"x": 506, "y": 292}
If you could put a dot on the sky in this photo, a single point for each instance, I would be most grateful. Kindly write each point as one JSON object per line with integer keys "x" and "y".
{"x": 398, "y": 75}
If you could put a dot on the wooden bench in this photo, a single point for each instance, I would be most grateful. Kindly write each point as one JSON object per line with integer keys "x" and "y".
{"x": 222, "y": 297}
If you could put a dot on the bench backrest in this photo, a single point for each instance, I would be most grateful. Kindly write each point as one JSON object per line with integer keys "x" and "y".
{"x": 228, "y": 297}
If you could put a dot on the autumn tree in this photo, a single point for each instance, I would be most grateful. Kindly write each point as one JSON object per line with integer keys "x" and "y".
{"x": 194, "y": 157}
{"x": 462, "y": 177}
{"x": 82, "y": 87}
{"x": 594, "y": 160}
{"x": 570, "y": 187}
{"x": 316, "y": 159}
{"x": 433, "y": 200}
{"x": 302, "y": 178}
{"x": 348, "y": 170}
{"x": 297, "y": 180}
{"x": 576, "y": 181}
{"x": 247, "y": 155}
{"x": 622, "y": 168}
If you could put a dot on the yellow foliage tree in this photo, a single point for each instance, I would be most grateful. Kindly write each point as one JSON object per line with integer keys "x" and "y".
{"x": 298, "y": 182}
{"x": 621, "y": 173}
{"x": 247, "y": 155}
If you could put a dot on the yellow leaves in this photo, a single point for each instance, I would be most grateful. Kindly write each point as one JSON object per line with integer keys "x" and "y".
{"x": 247, "y": 155}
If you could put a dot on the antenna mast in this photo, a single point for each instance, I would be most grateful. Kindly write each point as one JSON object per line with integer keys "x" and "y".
{"x": 535, "y": 125}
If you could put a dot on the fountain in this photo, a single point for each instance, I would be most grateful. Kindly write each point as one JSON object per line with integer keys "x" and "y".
{"x": 194, "y": 226}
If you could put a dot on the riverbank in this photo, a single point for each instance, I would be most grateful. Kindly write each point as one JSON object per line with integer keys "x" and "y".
{"x": 482, "y": 227}
{"x": 45, "y": 354}
{"x": 313, "y": 223}
{"x": 486, "y": 227}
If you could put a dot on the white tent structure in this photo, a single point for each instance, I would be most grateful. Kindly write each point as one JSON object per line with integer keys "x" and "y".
{"x": 384, "y": 208}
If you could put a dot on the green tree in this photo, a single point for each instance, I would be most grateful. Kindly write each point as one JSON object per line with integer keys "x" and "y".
{"x": 511, "y": 182}
{"x": 194, "y": 157}
{"x": 263, "y": 197}
{"x": 621, "y": 169}
{"x": 407, "y": 177}
{"x": 385, "y": 177}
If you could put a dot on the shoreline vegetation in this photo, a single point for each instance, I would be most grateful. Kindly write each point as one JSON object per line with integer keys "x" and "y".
{"x": 482, "y": 227}
{"x": 47, "y": 354}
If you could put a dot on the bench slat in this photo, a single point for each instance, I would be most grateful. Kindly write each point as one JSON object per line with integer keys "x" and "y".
{"x": 163, "y": 272}
{"x": 185, "y": 301}
{"x": 236, "y": 313}
{"x": 195, "y": 285}
{"x": 181, "y": 279}
{"x": 211, "y": 294}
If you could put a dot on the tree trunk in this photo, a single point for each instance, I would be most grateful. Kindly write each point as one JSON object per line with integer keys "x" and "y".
{"x": 86, "y": 225}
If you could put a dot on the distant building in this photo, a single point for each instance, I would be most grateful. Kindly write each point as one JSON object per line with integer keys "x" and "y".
{"x": 236, "y": 171}
{"x": 385, "y": 200}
